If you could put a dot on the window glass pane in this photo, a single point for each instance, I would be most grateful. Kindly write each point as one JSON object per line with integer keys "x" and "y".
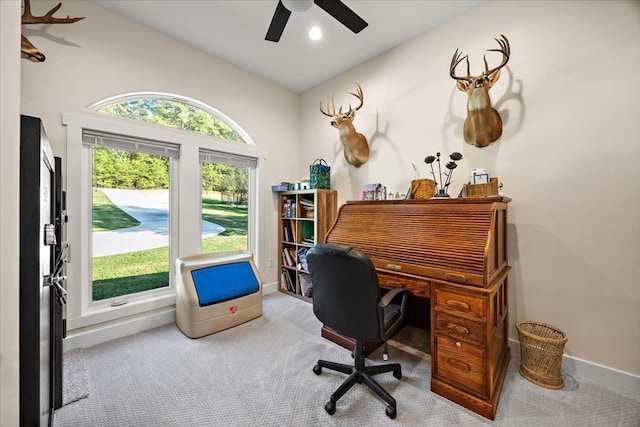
{"x": 224, "y": 207}
{"x": 130, "y": 211}
{"x": 173, "y": 114}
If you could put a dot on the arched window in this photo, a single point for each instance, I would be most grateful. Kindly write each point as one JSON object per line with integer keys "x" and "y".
{"x": 173, "y": 111}
{"x": 137, "y": 182}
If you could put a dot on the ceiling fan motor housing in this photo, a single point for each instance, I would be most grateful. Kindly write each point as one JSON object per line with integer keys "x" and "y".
{"x": 298, "y": 5}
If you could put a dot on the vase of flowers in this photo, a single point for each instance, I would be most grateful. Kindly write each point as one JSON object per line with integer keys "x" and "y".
{"x": 443, "y": 180}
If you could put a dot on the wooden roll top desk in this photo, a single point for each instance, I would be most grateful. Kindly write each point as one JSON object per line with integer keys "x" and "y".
{"x": 453, "y": 252}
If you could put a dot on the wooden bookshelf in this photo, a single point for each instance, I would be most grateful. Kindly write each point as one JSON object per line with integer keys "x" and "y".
{"x": 305, "y": 217}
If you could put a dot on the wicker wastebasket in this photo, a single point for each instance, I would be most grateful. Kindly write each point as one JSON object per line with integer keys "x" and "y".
{"x": 541, "y": 349}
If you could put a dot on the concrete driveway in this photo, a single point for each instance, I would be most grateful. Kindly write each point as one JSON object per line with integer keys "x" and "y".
{"x": 150, "y": 208}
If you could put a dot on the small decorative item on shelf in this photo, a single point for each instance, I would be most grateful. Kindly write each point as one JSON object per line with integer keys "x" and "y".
{"x": 442, "y": 184}
{"x": 483, "y": 190}
{"x": 423, "y": 188}
{"x": 283, "y": 186}
{"x": 375, "y": 191}
{"x": 320, "y": 175}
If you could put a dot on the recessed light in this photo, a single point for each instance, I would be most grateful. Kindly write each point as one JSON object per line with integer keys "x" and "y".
{"x": 315, "y": 33}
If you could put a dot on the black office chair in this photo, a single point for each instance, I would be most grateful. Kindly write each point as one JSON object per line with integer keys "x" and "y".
{"x": 347, "y": 299}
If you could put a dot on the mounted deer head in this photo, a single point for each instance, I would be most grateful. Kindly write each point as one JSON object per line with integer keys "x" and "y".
{"x": 354, "y": 144}
{"x": 28, "y": 50}
{"x": 483, "y": 124}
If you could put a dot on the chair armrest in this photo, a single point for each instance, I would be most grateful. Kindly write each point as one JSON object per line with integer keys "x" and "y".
{"x": 386, "y": 299}
{"x": 389, "y": 296}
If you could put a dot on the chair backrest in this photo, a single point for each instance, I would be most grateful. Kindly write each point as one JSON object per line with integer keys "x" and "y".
{"x": 345, "y": 291}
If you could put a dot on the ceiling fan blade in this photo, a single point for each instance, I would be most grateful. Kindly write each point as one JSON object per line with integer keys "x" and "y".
{"x": 342, "y": 13}
{"x": 278, "y": 22}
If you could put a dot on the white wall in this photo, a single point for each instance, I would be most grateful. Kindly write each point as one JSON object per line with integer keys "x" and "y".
{"x": 567, "y": 157}
{"x": 9, "y": 210}
{"x": 106, "y": 55}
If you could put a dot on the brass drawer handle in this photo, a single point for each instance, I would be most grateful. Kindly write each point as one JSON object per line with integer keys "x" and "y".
{"x": 457, "y": 328}
{"x": 459, "y": 304}
{"x": 461, "y": 278}
{"x": 394, "y": 283}
{"x": 458, "y": 364}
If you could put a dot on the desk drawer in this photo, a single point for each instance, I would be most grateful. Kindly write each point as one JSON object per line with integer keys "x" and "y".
{"x": 460, "y": 329}
{"x": 460, "y": 302}
{"x": 416, "y": 285}
{"x": 460, "y": 363}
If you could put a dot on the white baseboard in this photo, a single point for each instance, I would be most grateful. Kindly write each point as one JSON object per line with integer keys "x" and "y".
{"x": 269, "y": 288}
{"x": 603, "y": 375}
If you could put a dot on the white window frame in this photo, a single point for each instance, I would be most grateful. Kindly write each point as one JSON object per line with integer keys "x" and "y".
{"x": 93, "y": 138}
{"x": 185, "y": 208}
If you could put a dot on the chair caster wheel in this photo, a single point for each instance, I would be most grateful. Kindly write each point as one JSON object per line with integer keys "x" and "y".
{"x": 398, "y": 374}
{"x": 317, "y": 370}
{"x": 390, "y": 411}
{"x": 330, "y": 407}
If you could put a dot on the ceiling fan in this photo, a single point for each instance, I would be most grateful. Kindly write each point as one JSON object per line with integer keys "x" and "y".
{"x": 335, "y": 8}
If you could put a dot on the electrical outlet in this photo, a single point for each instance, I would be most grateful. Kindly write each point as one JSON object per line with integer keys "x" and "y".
{"x": 272, "y": 262}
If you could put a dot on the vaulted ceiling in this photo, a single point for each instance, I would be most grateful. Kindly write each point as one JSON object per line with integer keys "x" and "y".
{"x": 235, "y": 30}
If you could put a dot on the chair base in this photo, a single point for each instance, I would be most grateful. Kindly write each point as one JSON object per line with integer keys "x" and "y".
{"x": 359, "y": 373}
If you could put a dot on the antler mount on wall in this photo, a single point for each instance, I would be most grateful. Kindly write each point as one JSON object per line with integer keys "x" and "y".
{"x": 354, "y": 144}
{"x": 483, "y": 124}
{"x": 27, "y": 49}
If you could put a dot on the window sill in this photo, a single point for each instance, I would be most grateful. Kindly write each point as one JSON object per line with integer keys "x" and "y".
{"x": 105, "y": 313}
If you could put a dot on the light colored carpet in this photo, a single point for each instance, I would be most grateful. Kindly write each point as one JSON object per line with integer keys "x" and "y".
{"x": 260, "y": 374}
{"x": 75, "y": 382}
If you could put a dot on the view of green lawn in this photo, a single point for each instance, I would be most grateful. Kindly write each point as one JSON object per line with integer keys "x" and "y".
{"x": 107, "y": 216}
{"x": 121, "y": 274}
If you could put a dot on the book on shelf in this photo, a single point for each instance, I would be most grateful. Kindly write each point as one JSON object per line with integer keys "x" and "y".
{"x": 293, "y": 230}
{"x": 286, "y": 257}
{"x": 306, "y": 287}
{"x": 287, "y": 282}
{"x": 289, "y": 230}
{"x": 291, "y": 281}
{"x": 289, "y": 256}
{"x": 302, "y": 259}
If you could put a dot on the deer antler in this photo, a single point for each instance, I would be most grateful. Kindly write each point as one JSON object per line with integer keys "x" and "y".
{"x": 28, "y": 50}
{"x": 505, "y": 49}
{"x": 359, "y": 96}
{"x": 457, "y": 58}
{"x": 332, "y": 112}
{"x": 28, "y": 18}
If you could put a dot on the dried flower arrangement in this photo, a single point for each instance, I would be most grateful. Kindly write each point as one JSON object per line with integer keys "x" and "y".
{"x": 442, "y": 185}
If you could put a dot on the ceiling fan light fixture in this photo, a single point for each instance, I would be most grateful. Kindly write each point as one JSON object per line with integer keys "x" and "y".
{"x": 315, "y": 33}
{"x": 297, "y": 5}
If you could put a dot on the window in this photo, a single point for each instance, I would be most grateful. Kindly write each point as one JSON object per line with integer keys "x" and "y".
{"x": 109, "y": 153}
{"x": 225, "y": 200}
{"x": 130, "y": 214}
{"x": 174, "y": 112}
